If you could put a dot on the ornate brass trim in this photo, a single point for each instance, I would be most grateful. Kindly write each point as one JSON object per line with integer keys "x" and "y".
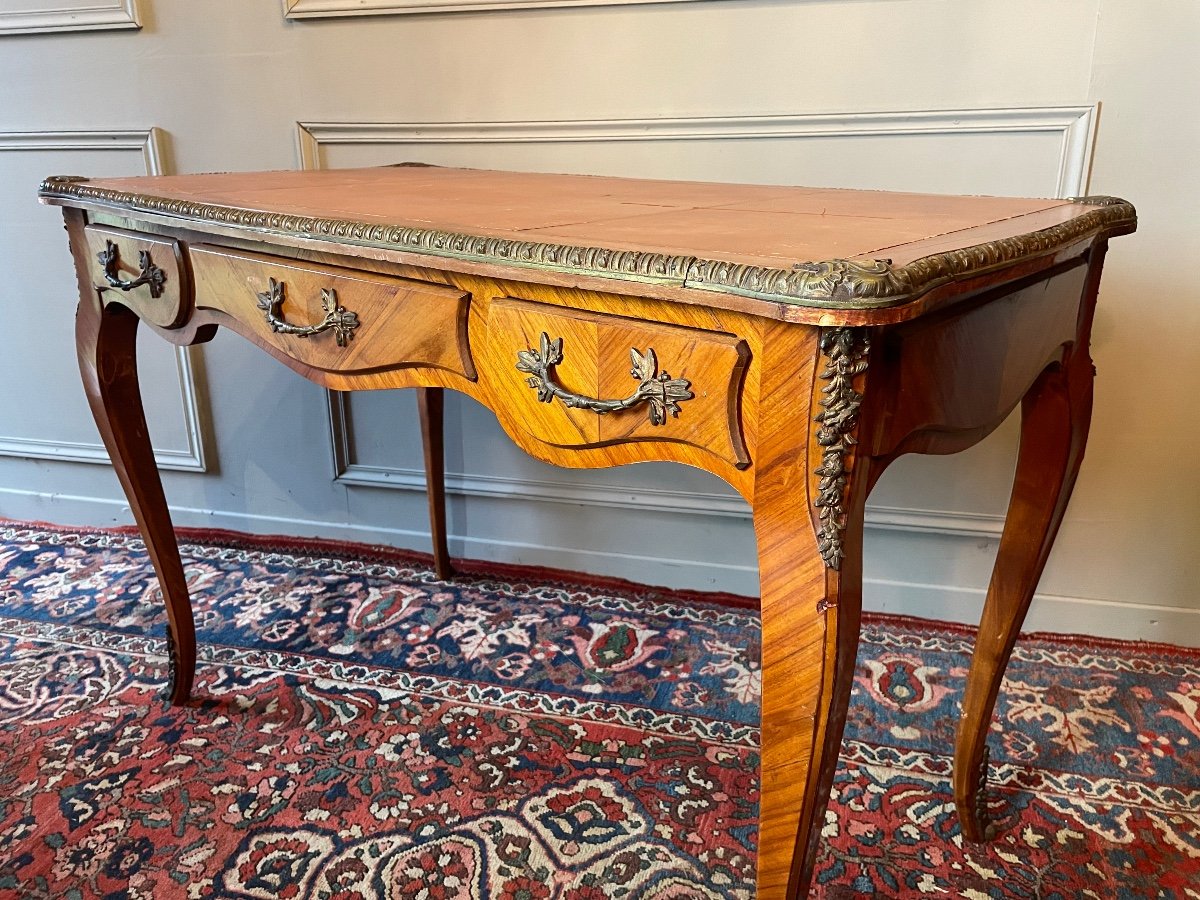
{"x": 172, "y": 665}
{"x": 150, "y": 274}
{"x": 983, "y": 815}
{"x": 337, "y": 317}
{"x": 845, "y": 351}
{"x": 1100, "y": 200}
{"x": 844, "y": 282}
{"x": 837, "y": 283}
{"x": 660, "y": 391}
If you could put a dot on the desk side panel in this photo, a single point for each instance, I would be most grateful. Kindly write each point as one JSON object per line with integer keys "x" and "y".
{"x": 953, "y": 378}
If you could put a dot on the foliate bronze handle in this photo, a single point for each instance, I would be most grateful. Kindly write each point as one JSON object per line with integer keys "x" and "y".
{"x": 110, "y": 258}
{"x": 660, "y": 391}
{"x": 341, "y": 320}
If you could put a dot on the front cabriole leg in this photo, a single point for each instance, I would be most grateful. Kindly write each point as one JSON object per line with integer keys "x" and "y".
{"x": 809, "y": 496}
{"x": 105, "y": 339}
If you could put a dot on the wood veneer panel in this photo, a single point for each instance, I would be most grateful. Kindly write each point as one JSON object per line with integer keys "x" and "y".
{"x": 167, "y": 302}
{"x": 399, "y": 322}
{"x": 597, "y": 363}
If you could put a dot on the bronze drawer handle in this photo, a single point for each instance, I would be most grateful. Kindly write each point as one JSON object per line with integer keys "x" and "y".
{"x": 662, "y": 392}
{"x": 341, "y": 320}
{"x": 110, "y": 258}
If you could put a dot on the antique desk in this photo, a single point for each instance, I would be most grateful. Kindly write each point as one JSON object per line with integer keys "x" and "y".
{"x": 792, "y": 341}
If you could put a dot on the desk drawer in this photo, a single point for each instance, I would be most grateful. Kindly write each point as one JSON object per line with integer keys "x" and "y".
{"x": 145, "y": 272}
{"x": 576, "y": 379}
{"x": 334, "y": 319}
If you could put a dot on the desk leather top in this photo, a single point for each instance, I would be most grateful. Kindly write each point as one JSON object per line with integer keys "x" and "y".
{"x": 807, "y": 246}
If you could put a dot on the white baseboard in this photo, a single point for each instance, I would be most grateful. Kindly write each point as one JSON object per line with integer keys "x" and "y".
{"x": 1050, "y": 612}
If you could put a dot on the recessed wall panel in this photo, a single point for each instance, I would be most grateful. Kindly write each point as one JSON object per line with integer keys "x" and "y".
{"x": 1017, "y": 151}
{"x": 43, "y": 411}
{"x": 37, "y": 16}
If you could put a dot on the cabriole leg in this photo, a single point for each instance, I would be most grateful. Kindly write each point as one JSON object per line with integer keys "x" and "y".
{"x": 105, "y": 338}
{"x": 808, "y": 520}
{"x": 1055, "y": 415}
{"x": 810, "y": 620}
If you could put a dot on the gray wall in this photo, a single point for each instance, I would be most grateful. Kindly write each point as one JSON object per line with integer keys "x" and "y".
{"x": 1013, "y": 97}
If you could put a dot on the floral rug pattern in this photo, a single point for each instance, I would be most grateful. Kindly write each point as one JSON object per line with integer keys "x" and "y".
{"x": 361, "y": 729}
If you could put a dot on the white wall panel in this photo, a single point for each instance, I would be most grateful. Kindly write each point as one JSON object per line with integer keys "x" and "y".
{"x": 1024, "y": 152}
{"x": 315, "y": 9}
{"x": 37, "y": 16}
{"x": 49, "y": 418}
{"x": 1016, "y": 151}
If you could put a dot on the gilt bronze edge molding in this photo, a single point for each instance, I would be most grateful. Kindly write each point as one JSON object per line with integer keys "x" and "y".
{"x": 830, "y": 284}
{"x": 1101, "y": 200}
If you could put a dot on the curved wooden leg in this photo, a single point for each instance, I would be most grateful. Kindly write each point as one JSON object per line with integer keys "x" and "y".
{"x": 810, "y": 622}
{"x": 1055, "y": 416}
{"x": 430, "y": 406}
{"x": 105, "y": 341}
{"x": 810, "y": 571}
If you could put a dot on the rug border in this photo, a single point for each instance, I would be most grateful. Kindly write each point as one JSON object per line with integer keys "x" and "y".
{"x": 565, "y": 578}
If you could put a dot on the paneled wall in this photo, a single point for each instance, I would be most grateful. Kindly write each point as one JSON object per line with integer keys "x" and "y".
{"x": 1016, "y": 97}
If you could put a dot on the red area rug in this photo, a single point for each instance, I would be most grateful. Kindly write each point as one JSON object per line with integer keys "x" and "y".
{"x": 362, "y": 730}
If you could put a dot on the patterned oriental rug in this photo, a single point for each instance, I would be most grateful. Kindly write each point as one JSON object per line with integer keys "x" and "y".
{"x": 362, "y": 730}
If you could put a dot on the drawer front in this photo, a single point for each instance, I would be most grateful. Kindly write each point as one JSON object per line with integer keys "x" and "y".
{"x": 576, "y": 379}
{"x": 146, "y": 272}
{"x": 334, "y": 319}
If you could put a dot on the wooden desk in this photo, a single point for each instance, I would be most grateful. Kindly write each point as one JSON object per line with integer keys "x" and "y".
{"x": 792, "y": 341}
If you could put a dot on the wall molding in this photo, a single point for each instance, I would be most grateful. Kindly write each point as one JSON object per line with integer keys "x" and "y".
{"x": 83, "y": 15}
{"x": 151, "y": 145}
{"x": 1074, "y": 124}
{"x": 319, "y": 9}
{"x": 1049, "y": 612}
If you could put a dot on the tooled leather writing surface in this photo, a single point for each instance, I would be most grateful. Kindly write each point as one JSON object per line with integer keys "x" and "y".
{"x": 792, "y": 245}
{"x": 750, "y": 224}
